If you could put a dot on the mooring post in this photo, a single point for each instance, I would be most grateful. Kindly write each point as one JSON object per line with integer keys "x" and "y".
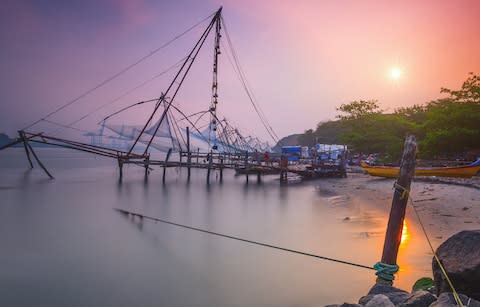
{"x": 198, "y": 153}
{"x": 221, "y": 168}
{"x": 246, "y": 165}
{"x": 165, "y": 164}
{"x": 210, "y": 161}
{"x": 39, "y": 162}
{"x": 259, "y": 178}
{"x": 388, "y": 265}
{"x": 146, "y": 164}
{"x": 283, "y": 169}
{"x": 21, "y": 133}
{"x": 189, "y": 154}
{"x": 120, "y": 166}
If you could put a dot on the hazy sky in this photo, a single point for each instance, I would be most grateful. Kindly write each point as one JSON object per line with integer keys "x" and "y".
{"x": 302, "y": 59}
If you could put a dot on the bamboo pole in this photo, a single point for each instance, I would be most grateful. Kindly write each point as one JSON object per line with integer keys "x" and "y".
{"x": 24, "y": 140}
{"x": 39, "y": 162}
{"x": 189, "y": 154}
{"x": 393, "y": 236}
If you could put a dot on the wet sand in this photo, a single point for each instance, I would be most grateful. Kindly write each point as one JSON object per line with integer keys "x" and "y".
{"x": 445, "y": 205}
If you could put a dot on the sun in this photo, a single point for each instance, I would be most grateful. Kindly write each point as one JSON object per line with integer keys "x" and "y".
{"x": 395, "y": 73}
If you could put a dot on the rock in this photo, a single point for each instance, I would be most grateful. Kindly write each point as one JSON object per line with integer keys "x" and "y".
{"x": 460, "y": 256}
{"x": 395, "y": 295}
{"x": 379, "y": 300}
{"x": 446, "y": 299}
{"x": 344, "y": 305}
{"x": 382, "y": 289}
{"x": 419, "y": 299}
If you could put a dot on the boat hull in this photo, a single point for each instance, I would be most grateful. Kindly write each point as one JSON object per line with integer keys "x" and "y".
{"x": 466, "y": 171}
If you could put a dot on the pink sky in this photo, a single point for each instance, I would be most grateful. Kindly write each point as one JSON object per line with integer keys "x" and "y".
{"x": 302, "y": 58}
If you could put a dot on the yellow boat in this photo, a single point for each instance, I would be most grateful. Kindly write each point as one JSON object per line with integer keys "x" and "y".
{"x": 464, "y": 171}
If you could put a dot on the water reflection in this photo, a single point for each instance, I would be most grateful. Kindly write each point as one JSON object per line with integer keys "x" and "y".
{"x": 405, "y": 235}
{"x": 144, "y": 262}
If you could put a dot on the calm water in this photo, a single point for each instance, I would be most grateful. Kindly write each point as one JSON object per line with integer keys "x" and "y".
{"x": 62, "y": 244}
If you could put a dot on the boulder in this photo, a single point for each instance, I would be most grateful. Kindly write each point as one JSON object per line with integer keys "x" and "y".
{"x": 460, "y": 256}
{"x": 419, "y": 298}
{"x": 379, "y": 300}
{"x": 446, "y": 299}
{"x": 395, "y": 295}
{"x": 344, "y": 305}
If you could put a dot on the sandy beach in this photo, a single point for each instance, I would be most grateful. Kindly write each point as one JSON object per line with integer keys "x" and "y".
{"x": 445, "y": 205}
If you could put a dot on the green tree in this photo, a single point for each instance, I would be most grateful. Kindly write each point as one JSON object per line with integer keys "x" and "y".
{"x": 358, "y": 108}
{"x": 452, "y": 125}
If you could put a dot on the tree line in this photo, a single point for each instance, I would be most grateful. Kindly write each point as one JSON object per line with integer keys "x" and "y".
{"x": 448, "y": 127}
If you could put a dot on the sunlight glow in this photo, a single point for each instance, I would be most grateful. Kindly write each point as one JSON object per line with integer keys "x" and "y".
{"x": 395, "y": 73}
{"x": 405, "y": 234}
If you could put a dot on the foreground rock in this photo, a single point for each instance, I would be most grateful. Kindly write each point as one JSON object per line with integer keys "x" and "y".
{"x": 446, "y": 299}
{"x": 419, "y": 299}
{"x": 460, "y": 256}
{"x": 396, "y": 296}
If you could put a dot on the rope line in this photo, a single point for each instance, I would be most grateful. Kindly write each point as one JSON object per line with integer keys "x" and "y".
{"x": 241, "y": 76}
{"x": 444, "y": 272}
{"x": 244, "y": 240}
{"x": 122, "y": 71}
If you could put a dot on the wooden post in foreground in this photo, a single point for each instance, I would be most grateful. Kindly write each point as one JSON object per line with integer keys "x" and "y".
{"x": 388, "y": 266}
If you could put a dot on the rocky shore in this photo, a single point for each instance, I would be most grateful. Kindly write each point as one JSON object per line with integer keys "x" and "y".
{"x": 460, "y": 257}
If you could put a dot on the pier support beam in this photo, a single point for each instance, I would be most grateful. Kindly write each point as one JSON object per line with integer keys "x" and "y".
{"x": 146, "y": 164}
{"x": 165, "y": 165}
{"x": 39, "y": 162}
{"x": 189, "y": 154}
{"x": 210, "y": 161}
{"x": 388, "y": 265}
{"x": 283, "y": 169}
{"x": 246, "y": 165}
{"x": 24, "y": 140}
{"x": 221, "y": 168}
{"x": 120, "y": 167}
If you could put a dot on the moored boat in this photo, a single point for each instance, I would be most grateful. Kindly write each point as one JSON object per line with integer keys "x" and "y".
{"x": 463, "y": 171}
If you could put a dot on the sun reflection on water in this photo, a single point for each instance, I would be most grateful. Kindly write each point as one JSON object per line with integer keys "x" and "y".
{"x": 405, "y": 235}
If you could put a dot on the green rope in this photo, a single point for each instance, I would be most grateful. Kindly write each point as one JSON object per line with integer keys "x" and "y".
{"x": 386, "y": 271}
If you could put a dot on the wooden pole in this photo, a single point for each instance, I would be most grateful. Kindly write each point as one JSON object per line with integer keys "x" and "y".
{"x": 221, "y": 168}
{"x": 189, "y": 154}
{"x": 397, "y": 213}
{"x": 246, "y": 165}
{"x": 210, "y": 161}
{"x": 24, "y": 139}
{"x": 39, "y": 162}
{"x": 146, "y": 164}
{"x": 165, "y": 165}
{"x": 120, "y": 167}
{"x": 198, "y": 153}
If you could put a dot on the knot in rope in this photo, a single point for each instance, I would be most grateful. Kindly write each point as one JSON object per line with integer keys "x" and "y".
{"x": 404, "y": 191}
{"x": 386, "y": 271}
